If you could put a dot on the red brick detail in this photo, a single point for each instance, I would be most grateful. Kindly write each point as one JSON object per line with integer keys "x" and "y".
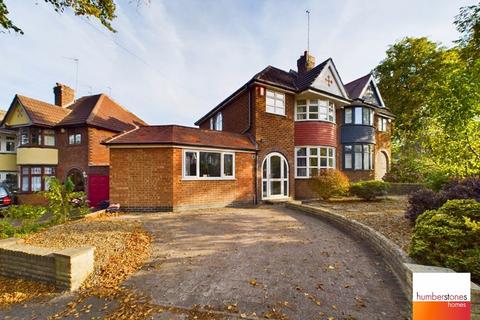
{"x": 315, "y": 133}
{"x": 98, "y": 154}
{"x": 235, "y": 115}
{"x": 71, "y": 156}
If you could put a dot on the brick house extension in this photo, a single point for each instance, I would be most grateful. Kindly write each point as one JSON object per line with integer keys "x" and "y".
{"x": 295, "y": 123}
{"x": 63, "y": 139}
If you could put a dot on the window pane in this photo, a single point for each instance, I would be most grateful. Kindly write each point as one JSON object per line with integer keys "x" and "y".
{"x": 228, "y": 165}
{"x": 323, "y": 152}
{"x": 371, "y": 117}
{"x": 36, "y": 183}
{"x": 313, "y": 162}
{"x": 348, "y": 115}
{"x": 270, "y": 109}
{"x": 301, "y": 172}
{"x": 264, "y": 188}
{"x": 323, "y": 162}
{"x": 348, "y": 148}
{"x": 313, "y": 151}
{"x": 24, "y": 183}
{"x": 331, "y": 162}
{"x": 78, "y": 138}
{"x": 71, "y": 139}
{"x": 209, "y": 164}
{"x": 301, "y": 162}
{"x": 330, "y": 152}
{"x": 270, "y": 93}
{"x": 275, "y": 169}
{"x": 301, "y": 102}
{"x": 313, "y": 116}
{"x": 366, "y": 116}
{"x": 358, "y": 148}
{"x": 10, "y": 146}
{"x": 358, "y": 160}
{"x": 36, "y": 170}
{"x": 25, "y": 170}
{"x": 358, "y": 115}
{"x": 366, "y": 160}
{"x": 275, "y": 187}
{"x": 313, "y": 172}
{"x": 24, "y": 139}
{"x": 48, "y": 170}
{"x": 190, "y": 164}
{"x": 49, "y": 140}
{"x": 301, "y": 151}
{"x": 348, "y": 161}
{"x": 36, "y": 138}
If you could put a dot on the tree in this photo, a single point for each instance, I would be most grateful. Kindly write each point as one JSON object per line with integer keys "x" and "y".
{"x": 468, "y": 24}
{"x": 103, "y": 10}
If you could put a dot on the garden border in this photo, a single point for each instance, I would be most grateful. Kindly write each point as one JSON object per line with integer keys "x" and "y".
{"x": 396, "y": 259}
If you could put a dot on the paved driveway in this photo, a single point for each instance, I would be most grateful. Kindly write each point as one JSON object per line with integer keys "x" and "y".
{"x": 264, "y": 262}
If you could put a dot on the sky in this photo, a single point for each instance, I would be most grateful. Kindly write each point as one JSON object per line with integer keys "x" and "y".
{"x": 172, "y": 61}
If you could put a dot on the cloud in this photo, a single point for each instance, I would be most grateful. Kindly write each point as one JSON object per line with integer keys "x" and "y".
{"x": 172, "y": 61}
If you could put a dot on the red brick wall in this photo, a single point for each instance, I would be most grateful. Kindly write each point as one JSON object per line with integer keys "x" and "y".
{"x": 151, "y": 178}
{"x": 71, "y": 156}
{"x": 98, "y": 154}
{"x": 141, "y": 177}
{"x": 235, "y": 115}
{"x": 383, "y": 139}
{"x": 315, "y": 133}
{"x": 208, "y": 193}
{"x": 274, "y": 133}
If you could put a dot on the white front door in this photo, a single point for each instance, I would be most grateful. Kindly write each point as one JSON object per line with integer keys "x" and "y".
{"x": 274, "y": 176}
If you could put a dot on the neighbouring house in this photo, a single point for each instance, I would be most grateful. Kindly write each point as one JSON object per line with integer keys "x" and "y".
{"x": 8, "y": 145}
{"x": 64, "y": 140}
{"x": 298, "y": 122}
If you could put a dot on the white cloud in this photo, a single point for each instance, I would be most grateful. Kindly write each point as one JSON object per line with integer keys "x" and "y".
{"x": 172, "y": 61}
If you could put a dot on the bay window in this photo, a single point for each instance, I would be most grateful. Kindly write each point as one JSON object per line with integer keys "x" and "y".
{"x": 33, "y": 178}
{"x": 275, "y": 102}
{"x": 358, "y": 115}
{"x": 358, "y": 157}
{"x": 208, "y": 164}
{"x": 309, "y": 160}
{"x": 37, "y": 137}
{"x": 314, "y": 109}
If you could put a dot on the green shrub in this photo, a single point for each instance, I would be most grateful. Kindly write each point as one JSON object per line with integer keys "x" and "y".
{"x": 329, "y": 183}
{"x": 369, "y": 190}
{"x": 25, "y": 211}
{"x": 449, "y": 237}
{"x": 436, "y": 180}
{"x": 6, "y": 229}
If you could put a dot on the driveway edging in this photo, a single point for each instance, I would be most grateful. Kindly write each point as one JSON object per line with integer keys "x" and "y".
{"x": 394, "y": 256}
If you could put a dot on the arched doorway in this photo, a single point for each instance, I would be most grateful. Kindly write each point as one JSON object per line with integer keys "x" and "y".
{"x": 274, "y": 176}
{"x": 381, "y": 165}
{"x": 77, "y": 179}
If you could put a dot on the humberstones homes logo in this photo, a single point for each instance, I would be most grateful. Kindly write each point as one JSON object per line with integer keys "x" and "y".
{"x": 441, "y": 296}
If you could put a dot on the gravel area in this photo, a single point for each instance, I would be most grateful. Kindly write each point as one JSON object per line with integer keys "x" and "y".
{"x": 384, "y": 215}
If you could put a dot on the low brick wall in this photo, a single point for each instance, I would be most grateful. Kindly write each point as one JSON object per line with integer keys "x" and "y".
{"x": 66, "y": 269}
{"x": 401, "y": 189}
{"x": 397, "y": 260}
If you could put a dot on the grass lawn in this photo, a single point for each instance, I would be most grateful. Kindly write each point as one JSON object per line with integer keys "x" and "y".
{"x": 384, "y": 215}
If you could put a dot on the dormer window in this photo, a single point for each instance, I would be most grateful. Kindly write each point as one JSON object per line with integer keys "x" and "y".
{"x": 275, "y": 102}
{"x": 314, "y": 109}
{"x": 219, "y": 122}
{"x": 359, "y": 115}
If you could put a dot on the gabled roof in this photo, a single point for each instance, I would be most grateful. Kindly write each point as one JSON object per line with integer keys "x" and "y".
{"x": 286, "y": 80}
{"x": 180, "y": 135}
{"x": 100, "y": 111}
{"x": 355, "y": 88}
{"x": 39, "y": 112}
{"x": 96, "y": 110}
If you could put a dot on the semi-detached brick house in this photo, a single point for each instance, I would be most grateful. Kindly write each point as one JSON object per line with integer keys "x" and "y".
{"x": 298, "y": 122}
{"x": 64, "y": 139}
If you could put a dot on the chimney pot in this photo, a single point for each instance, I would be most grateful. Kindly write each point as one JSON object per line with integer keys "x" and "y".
{"x": 305, "y": 63}
{"x": 64, "y": 95}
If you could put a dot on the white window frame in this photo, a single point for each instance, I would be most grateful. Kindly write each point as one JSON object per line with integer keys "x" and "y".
{"x": 277, "y": 98}
{"x": 222, "y": 167}
{"x": 318, "y": 156}
{"x": 327, "y": 106}
{"x": 382, "y": 124}
{"x": 6, "y": 140}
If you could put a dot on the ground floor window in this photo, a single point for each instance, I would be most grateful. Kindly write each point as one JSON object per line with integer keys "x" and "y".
{"x": 358, "y": 156}
{"x": 208, "y": 164}
{"x": 309, "y": 160}
{"x": 33, "y": 178}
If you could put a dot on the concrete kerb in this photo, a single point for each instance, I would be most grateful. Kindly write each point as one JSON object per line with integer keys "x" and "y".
{"x": 395, "y": 258}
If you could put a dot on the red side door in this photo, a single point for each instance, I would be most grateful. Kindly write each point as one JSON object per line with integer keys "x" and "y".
{"x": 98, "y": 189}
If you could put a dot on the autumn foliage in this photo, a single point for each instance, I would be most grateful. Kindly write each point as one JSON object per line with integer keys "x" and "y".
{"x": 329, "y": 183}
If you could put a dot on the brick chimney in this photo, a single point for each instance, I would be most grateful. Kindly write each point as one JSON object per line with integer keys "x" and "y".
{"x": 305, "y": 63}
{"x": 64, "y": 95}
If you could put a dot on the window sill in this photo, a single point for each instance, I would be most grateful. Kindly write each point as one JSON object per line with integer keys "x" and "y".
{"x": 208, "y": 179}
{"x": 276, "y": 114}
{"x": 358, "y": 125}
{"x": 315, "y": 120}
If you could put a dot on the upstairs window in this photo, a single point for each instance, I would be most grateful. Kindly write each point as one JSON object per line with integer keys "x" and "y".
{"x": 275, "y": 102}
{"x": 74, "y": 138}
{"x": 49, "y": 137}
{"x": 37, "y": 137}
{"x": 359, "y": 115}
{"x": 206, "y": 164}
{"x": 10, "y": 144}
{"x": 219, "y": 122}
{"x": 314, "y": 109}
{"x": 382, "y": 124}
